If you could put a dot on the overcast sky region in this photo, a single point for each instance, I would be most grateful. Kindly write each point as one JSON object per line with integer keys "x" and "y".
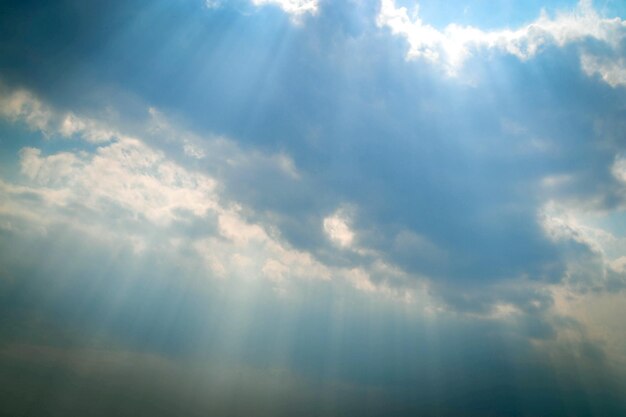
{"x": 313, "y": 208}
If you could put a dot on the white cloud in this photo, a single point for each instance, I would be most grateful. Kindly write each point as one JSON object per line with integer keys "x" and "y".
{"x": 127, "y": 174}
{"x": 241, "y": 233}
{"x": 451, "y": 46}
{"x": 561, "y": 223}
{"x": 619, "y": 168}
{"x": 275, "y": 270}
{"x": 361, "y": 280}
{"x": 23, "y": 106}
{"x": 612, "y": 71}
{"x": 599, "y": 253}
{"x": 88, "y": 129}
{"x": 127, "y": 191}
{"x": 619, "y": 265}
{"x": 337, "y": 229}
{"x": 54, "y": 169}
{"x": 296, "y": 8}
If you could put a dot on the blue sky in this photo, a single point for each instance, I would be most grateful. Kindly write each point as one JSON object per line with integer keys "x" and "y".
{"x": 279, "y": 207}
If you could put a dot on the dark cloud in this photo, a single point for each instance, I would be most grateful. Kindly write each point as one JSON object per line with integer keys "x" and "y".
{"x": 113, "y": 334}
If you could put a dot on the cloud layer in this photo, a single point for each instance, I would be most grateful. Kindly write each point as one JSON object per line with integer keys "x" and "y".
{"x": 278, "y": 199}
{"x": 455, "y": 44}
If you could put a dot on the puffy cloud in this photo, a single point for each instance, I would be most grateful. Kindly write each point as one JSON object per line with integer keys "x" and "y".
{"x": 23, "y": 106}
{"x": 454, "y": 44}
{"x": 337, "y": 229}
{"x": 611, "y": 70}
{"x": 126, "y": 190}
{"x": 593, "y": 253}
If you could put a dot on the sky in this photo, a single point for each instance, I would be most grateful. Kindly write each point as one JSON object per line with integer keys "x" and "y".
{"x": 313, "y": 208}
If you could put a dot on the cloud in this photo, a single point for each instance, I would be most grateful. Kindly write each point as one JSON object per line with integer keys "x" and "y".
{"x": 612, "y": 71}
{"x": 23, "y": 106}
{"x": 447, "y": 180}
{"x": 619, "y": 168}
{"x": 213, "y": 4}
{"x": 126, "y": 190}
{"x": 296, "y": 8}
{"x": 337, "y": 229}
{"x": 593, "y": 254}
{"x": 453, "y": 45}
{"x": 444, "y": 190}
{"x": 126, "y": 173}
{"x": 304, "y": 197}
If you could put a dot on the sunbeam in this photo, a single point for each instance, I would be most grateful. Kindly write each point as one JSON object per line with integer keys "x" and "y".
{"x": 312, "y": 208}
